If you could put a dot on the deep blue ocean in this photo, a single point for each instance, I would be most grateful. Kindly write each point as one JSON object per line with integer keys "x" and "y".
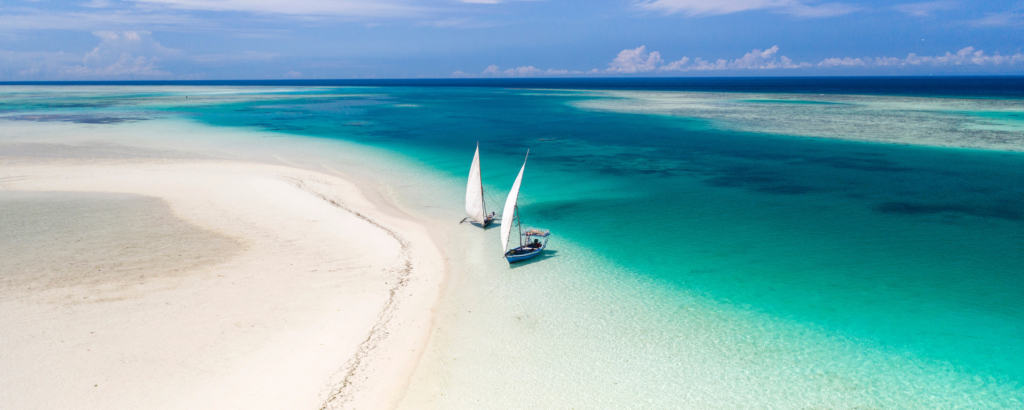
{"x": 901, "y": 247}
{"x": 984, "y": 86}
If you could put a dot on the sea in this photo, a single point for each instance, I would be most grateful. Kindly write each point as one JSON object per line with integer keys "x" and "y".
{"x": 716, "y": 242}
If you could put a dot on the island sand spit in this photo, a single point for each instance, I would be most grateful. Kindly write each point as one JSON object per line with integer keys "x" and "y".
{"x": 173, "y": 283}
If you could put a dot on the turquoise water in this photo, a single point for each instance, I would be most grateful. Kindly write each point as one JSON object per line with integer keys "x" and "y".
{"x": 899, "y": 250}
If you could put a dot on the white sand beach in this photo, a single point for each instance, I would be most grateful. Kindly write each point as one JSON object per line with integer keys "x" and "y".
{"x": 153, "y": 281}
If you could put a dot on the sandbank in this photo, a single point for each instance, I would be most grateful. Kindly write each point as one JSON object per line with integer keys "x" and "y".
{"x": 145, "y": 281}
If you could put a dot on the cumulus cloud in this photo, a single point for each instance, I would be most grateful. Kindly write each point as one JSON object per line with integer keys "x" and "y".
{"x": 801, "y": 8}
{"x": 522, "y": 71}
{"x": 122, "y": 54}
{"x": 635, "y": 60}
{"x": 677, "y": 65}
{"x": 842, "y": 62}
{"x": 119, "y": 54}
{"x": 770, "y": 59}
{"x": 967, "y": 56}
{"x": 639, "y": 60}
{"x": 756, "y": 59}
{"x": 964, "y": 56}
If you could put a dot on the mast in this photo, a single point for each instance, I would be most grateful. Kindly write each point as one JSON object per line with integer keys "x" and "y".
{"x": 475, "y": 207}
{"x": 480, "y": 182}
{"x": 512, "y": 208}
{"x": 519, "y": 226}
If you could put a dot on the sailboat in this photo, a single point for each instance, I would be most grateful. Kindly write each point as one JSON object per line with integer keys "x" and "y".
{"x": 475, "y": 207}
{"x": 532, "y": 237}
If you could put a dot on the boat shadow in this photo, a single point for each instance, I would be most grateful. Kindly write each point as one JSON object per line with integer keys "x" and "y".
{"x": 496, "y": 223}
{"x": 545, "y": 254}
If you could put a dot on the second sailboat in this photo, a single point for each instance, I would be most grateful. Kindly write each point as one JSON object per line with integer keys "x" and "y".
{"x": 530, "y": 244}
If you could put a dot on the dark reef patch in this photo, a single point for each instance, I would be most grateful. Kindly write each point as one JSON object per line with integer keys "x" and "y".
{"x": 998, "y": 210}
{"x": 76, "y": 118}
{"x": 854, "y": 163}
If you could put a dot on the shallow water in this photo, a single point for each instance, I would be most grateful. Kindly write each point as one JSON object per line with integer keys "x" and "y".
{"x": 705, "y": 250}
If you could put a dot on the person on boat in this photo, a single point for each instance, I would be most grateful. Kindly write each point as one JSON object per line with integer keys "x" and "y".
{"x": 535, "y": 244}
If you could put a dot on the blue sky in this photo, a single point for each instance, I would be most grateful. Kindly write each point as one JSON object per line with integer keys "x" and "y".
{"x": 259, "y": 39}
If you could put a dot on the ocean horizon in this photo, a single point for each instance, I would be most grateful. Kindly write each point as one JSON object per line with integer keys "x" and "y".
{"x": 966, "y": 84}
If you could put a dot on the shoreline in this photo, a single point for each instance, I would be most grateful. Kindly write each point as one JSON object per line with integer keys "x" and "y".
{"x": 380, "y": 353}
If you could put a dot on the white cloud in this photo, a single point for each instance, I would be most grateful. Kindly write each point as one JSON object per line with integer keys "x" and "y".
{"x": 818, "y": 10}
{"x": 677, "y": 65}
{"x": 98, "y": 4}
{"x": 122, "y": 54}
{"x": 703, "y": 7}
{"x": 119, "y": 55}
{"x": 967, "y": 56}
{"x": 964, "y": 56}
{"x": 1005, "y": 19}
{"x": 842, "y": 62}
{"x": 32, "y": 19}
{"x": 767, "y": 59}
{"x": 522, "y": 71}
{"x": 635, "y": 60}
{"x": 358, "y": 8}
{"x": 801, "y": 8}
{"x": 187, "y": 15}
{"x": 925, "y": 8}
{"x": 638, "y": 60}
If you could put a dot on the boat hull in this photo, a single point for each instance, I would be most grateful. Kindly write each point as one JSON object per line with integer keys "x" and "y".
{"x": 514, "y": 255}
{"x": 487, "y": 222}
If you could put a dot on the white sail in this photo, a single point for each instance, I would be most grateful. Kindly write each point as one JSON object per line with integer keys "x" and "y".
{"x": 475, "y": 191}
{"x": 507, "y": 214}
